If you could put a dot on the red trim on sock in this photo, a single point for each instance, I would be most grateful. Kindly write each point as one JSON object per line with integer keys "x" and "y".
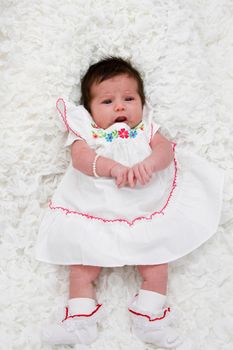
{"x": 148, "y": 317}
{"x": 81, "y": 315}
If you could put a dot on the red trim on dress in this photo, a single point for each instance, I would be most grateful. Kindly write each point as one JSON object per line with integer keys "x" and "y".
{"x": 81, "y": 315}
{"x": 64, "y": 117}
{"x": 151, "y": 132}
{"x": 130, "y": 223}
{"x": 148, "y": 317}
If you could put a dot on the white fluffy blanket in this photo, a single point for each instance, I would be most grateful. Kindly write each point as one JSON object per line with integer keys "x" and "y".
{"x": 184, "y": 49}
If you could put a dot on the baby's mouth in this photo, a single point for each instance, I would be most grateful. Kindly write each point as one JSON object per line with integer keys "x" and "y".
{"x": 120, "y": 119}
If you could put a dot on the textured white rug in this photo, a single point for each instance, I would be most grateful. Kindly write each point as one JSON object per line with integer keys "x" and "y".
{"x": 184, "y": 49}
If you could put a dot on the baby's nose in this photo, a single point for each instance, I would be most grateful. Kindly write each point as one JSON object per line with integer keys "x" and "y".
{"x": 119, "y": 106}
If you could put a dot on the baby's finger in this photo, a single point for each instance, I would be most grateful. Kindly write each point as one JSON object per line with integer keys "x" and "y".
{"x": 119, "y": 180}
{"x": 137, "y": 174}
{"x": 131, "y": 179}
{"x": 123, "y": 181}
{"x": 144, "y": 175}
{"x": 148, "y": 169}
{"x": 124, "y": 178}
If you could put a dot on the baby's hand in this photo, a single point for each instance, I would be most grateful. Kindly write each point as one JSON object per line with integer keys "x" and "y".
{"x": 141, "y": 172}
{"x": 120, "y": 173}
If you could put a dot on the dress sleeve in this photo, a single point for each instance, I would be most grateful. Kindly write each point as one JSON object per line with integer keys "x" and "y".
{"x": 154, "y": 127}
{"x": 151, "y": 127}
{"x": 76, "y": 120}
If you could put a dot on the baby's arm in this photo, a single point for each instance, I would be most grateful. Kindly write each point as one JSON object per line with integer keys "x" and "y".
{"x": 160, "y": 157}
{"x": 83, "y": 157}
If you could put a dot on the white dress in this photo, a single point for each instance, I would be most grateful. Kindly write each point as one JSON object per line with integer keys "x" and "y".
{"x": 90, "y": 221}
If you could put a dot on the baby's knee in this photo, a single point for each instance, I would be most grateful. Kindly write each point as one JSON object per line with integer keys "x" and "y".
{"x": 84, "y": 273}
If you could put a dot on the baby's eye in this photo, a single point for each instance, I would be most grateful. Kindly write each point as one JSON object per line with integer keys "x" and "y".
{"x": 129, "y": 98}
{"x": 107, "y": 101}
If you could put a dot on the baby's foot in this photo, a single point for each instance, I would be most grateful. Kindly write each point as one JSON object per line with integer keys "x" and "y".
{"x": 58, "y": 335}
{"x": 166, "y": 338}
{"x": 155, "y": 329}
{"x": 76, "y": 329}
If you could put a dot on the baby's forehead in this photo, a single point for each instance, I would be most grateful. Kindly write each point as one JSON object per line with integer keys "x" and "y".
{"x": 119, "y": 82}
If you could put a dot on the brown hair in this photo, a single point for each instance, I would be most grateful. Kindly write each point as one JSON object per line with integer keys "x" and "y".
{"x": 105, "y": 69}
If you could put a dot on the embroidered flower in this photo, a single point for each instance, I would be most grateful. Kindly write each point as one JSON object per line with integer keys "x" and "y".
{"x": 133, "y": 133}
{"x": 115, "y": 134}
{"x": 99, "y": 133}
{"x": 124, "y": 134}
{"x": 109, "y": 137}
{"x": 95, "y": 136}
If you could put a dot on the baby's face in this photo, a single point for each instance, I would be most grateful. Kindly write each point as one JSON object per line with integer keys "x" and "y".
{"x": 116, "y": 100}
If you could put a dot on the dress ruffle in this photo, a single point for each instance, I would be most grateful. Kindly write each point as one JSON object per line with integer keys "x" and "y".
{"x": 189, "y": 218}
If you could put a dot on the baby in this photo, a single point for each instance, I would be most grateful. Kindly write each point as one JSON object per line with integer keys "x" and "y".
{"x": 123, "y": 201}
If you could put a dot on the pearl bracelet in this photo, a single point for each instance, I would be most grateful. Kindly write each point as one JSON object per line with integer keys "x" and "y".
{"x": 94, "y": 165}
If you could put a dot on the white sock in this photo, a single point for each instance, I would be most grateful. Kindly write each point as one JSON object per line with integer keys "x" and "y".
{"x": 81, "y": 306}
{"x": 150, "y": 301}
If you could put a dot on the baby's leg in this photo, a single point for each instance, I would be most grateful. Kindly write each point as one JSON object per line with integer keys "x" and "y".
{"x": 154, "y": 278}
{"x": 151, "y": 319}
{"x": 152, "y": 295}
{"x": 81, "y": 281}
{"x": 82, "y": 313}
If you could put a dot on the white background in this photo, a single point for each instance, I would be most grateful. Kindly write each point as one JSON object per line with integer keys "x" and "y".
{"x": 184, "y": 50}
